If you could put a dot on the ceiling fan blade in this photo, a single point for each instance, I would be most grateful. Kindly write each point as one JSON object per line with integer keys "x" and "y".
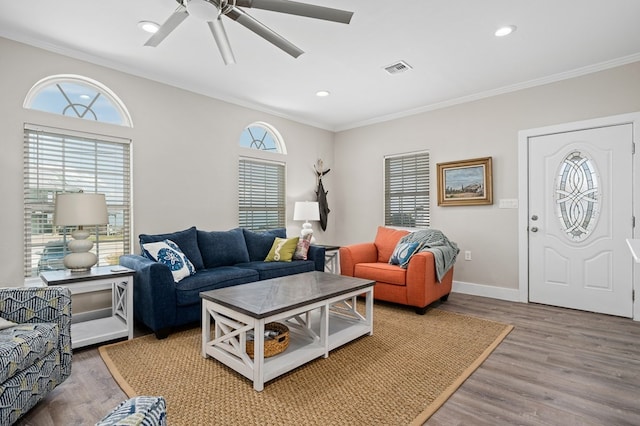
{"x": 220, "y": 35}
{"x": 300, "y": 9}
{"x": 263, "y": 31}
{"x": 169, "y": 25}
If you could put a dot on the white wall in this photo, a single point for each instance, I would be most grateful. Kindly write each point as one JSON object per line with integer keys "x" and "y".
{"x": 185, "y": 151}
{"x": 483, "y": 128}
{"x": 185, "y": 155}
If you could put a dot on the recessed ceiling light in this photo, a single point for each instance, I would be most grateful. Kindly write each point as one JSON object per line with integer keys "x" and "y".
{"x": 323, "y": 93}
{"x": 505, "y": 31}
{"x": 148, "y": 26}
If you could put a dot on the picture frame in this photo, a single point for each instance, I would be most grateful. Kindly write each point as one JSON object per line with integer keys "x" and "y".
{"x": 465, "y": 183}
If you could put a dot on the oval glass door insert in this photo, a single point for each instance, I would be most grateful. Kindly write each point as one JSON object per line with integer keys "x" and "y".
{"x": 577, "y": 196}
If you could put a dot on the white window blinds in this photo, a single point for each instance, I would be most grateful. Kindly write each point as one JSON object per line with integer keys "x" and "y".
{"x": 406, "y": 190}
{"x": 64, "y": 161}
{"x": 261, "y": 194}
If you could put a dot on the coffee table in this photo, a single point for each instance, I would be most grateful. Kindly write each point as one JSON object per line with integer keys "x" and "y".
{"x": 320, "y": 309}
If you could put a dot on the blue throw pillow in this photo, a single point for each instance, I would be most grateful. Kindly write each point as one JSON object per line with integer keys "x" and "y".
{"x": 403, "y": 252}
{"x": 168, "y": 253}
{"x": 259, "y": 243}
{"x": 187, "y": 240}
{"x": 222, "y": 248}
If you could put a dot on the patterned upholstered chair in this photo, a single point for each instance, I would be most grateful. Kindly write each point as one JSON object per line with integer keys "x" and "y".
{"x": 139, "y": 411}
{"x": 35, "y": 354}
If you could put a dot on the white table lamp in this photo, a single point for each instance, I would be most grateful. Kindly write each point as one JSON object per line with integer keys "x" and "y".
{"x": 80, "y": 209}
{"x": 306, "y": 210}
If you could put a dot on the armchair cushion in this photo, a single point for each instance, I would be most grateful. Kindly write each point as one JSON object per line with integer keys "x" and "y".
{"x": 403, "y": 252}
{"x": 383, "y": 272}
{"x": 23, "y": 345}
{"x": 386, "y": 241}
{"x": 187, "y": 240}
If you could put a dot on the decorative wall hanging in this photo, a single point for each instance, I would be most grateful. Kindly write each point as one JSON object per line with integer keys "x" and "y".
{"x": 321, "y": 194}
{"x": 463, "y": 183}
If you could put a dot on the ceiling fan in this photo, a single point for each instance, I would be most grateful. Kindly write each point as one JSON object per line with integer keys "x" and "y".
{"x": 211, "y": 11}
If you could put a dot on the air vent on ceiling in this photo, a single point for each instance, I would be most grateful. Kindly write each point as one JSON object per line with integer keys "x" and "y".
{"x": 397, "y": 68}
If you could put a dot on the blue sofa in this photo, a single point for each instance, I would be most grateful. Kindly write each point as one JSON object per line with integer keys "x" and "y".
{"x": 220, "y": 258}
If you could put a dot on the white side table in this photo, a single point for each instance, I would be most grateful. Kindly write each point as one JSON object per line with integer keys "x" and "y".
{"x": 115, "y": 278}
{"x": 331, "y": 258}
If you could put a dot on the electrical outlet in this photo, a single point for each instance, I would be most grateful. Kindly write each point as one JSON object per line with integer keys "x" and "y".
{"x": 467, "y": 255}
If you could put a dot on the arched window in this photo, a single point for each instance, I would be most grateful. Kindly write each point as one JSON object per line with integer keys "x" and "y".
{"x": 77, "y": 96}
{"x": 263, "y": 137}
{"x": 70, "y": 160}
{"x": 261, "y": 179}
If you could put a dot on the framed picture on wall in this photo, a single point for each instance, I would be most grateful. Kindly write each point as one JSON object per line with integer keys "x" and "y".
{"x": 465, "y": 183}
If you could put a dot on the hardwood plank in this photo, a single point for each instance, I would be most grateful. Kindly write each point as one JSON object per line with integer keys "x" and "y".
{"x": 557, "y": 367}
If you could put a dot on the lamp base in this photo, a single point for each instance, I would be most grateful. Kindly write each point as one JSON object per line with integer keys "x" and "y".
{"x": 307, "y": 230}
{"x": 80, "y": 259}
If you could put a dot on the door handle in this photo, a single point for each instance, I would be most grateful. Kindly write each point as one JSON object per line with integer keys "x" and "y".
{"x": 534, "y": 229}
{"x": 534, "y": 217}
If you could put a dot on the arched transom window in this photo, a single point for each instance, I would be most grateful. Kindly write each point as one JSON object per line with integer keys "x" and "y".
{"x": 263, "y": 137}
{"x": 77, "y": 96}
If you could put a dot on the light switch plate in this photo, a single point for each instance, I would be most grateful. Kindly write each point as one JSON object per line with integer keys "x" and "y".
{"x": 508, "y": 203}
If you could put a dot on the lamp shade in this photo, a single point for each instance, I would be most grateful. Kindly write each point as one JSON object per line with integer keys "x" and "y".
{"x": 306, "y": 210}
{"x": 79, "y": 209}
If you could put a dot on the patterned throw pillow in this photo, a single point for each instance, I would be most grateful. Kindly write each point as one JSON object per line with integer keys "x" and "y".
{"x": 282, "y": 250}
{"x": 302, "y": 248}
{"x": 168, "y": 253}
{"x": 403, "y": 252}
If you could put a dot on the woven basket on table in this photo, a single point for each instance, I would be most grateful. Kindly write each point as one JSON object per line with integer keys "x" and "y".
{"x": 275, "y": 345}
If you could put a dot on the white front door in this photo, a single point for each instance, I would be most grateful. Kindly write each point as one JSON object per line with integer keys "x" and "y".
{"x": 580, "y": 213}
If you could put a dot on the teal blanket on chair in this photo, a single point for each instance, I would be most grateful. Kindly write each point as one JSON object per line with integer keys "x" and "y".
{"x": 444, "y": 251}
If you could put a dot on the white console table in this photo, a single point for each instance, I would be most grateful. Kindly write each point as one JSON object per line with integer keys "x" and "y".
{"x": 115, "y": 278}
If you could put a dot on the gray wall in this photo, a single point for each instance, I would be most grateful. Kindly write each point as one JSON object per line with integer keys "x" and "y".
{"x": 483, "y": 128}
{"x": 205, "y": 131}
{"x": 185, "y": 150}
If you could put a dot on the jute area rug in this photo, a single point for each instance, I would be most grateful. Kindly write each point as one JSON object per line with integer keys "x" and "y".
{"x": 400, "y": 375}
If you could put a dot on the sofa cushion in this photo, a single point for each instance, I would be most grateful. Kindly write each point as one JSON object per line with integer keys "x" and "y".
{"x": 187, "y": 240}
{"x": 168, "y": 253}
{"x": 302, "y": 249}
{"x": 259, "y": 243}
{"x": 282, "y": 250}
{"x": 381, "y": 272}
{"x": 268, "y": 270}
{"x": 222, "y": 248}
{"x": 188, "y": 290}
{"x": 386, "y": 241}
{"x": 23, "y": 345}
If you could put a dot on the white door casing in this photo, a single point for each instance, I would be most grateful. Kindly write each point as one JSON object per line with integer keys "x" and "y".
{"x": 576, "y": 210}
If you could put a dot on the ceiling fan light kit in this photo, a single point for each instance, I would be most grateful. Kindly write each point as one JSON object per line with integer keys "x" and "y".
{"x": 211, "y": 12}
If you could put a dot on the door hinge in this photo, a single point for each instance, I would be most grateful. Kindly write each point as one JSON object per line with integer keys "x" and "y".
{"x": 633, "y": 295}
{"x": 633, "y": 148}
{"x": 633, "y": 221}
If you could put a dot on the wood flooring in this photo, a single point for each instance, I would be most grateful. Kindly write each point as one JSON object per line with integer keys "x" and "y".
{"x": 557, "y": 367}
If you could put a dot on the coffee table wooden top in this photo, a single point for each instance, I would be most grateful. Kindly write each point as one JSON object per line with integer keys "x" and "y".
{"x": 261, "y": 299}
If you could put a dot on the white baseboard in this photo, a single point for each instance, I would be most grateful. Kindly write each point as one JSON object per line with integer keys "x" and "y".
{"x": 510, "y": 294}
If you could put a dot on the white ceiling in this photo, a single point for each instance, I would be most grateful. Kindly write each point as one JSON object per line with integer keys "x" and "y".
{"x": 449, "y": 43}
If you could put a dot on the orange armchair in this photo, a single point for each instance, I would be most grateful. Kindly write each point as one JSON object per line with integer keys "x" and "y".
{"x": 417, "y": 285}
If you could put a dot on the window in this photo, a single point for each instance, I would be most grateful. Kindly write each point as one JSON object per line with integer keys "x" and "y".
{"x": 57, "y": 161}
{"x": 261, "y": 194}
{"x": 406, "y": 190}
{"x": 77, "y": 96}
{"x": 263, "y": 137}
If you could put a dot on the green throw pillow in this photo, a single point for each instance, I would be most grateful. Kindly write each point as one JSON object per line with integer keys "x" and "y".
{"x": 282, "y": 250}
